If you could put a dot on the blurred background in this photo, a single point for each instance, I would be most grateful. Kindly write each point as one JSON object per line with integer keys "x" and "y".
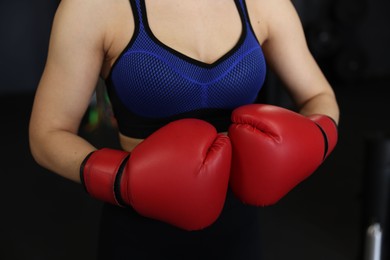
{"x": 326, "y": 217}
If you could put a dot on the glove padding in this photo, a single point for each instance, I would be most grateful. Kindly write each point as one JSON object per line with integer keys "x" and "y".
{"x": 274, "y": 149}
{"x": 178, "y": 175}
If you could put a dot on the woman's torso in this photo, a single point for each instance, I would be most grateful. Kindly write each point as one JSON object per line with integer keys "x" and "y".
{"x": 200, "y": 30}
{"x": 204, "y": 31}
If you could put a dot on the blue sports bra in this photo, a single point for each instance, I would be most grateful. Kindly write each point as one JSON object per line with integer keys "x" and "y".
{"x": 151, "y": 84}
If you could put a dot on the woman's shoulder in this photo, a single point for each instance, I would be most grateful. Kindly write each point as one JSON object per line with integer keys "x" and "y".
{"x": 80, "y": 15}
{"x": 266, "y": 10}
{"x": 96, "y": 20}
{"x": 91, "y": 14}
{"x": 266, "y": 15}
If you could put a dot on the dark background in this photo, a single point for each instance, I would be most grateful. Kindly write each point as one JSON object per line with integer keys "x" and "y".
{"x": 43, "y": 216}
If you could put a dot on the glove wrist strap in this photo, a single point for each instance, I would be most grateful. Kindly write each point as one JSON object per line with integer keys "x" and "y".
{"x": 329, "y": 129}
{"x": 100, "y": 174}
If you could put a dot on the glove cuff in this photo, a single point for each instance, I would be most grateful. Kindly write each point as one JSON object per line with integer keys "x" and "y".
{"x": 100, "y": 173}
{"x": 329, "y": 129}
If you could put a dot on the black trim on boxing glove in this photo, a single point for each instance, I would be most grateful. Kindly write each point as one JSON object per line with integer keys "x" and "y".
{"x": 117, "y": 183}
{"x": 317, "y": 119}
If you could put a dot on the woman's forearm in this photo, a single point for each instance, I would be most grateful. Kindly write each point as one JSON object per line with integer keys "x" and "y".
{"x": 60, "y": 151}
{"x": 324, "y": 104}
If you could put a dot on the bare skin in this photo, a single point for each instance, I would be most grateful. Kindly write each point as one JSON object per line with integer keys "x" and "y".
{"x": 89, "y": 35}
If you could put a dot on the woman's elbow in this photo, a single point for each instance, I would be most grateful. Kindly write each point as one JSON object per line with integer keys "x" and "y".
{"x": 35, "y": 146}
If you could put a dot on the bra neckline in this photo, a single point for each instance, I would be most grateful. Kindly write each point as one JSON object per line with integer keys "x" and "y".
{"x": 184, "y": 56}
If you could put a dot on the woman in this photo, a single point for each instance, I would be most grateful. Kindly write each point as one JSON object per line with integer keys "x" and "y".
{"x": 155, "y": 56}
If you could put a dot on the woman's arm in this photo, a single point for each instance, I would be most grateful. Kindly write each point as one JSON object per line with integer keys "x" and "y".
{"x": 288, "y": 56}
{"x": 75, "y": 57}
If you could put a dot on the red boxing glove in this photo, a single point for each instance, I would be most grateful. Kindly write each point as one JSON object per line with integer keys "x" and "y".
{"x": 274, "y": 149}
{"x": 178, "y": 175}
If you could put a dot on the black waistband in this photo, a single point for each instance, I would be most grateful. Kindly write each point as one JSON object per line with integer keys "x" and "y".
{"x": 140, "y": 127}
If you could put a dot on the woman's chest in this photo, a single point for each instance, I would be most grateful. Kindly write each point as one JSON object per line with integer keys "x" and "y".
{"x": 201, "y": 30}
